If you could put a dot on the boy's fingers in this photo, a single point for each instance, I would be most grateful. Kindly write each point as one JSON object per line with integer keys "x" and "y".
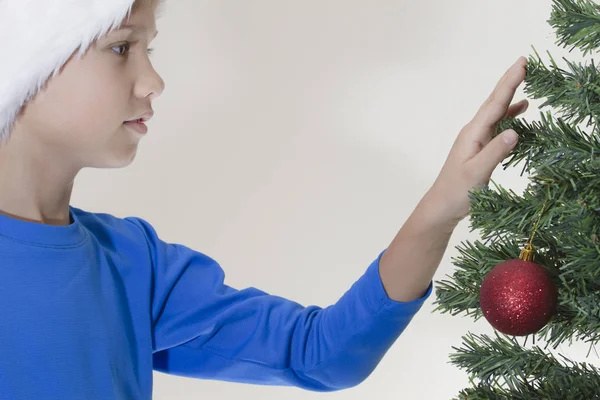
{"x": 495, "y": 107}
{"x": 493, "y": 154}
{"x": 517, "y": 108}
{"x": 467, "y": 138}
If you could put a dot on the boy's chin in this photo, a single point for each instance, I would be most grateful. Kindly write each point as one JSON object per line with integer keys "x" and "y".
{"x": 116, "y": 160}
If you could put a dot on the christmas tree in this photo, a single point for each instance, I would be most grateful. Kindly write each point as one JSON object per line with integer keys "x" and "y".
{"x": 554, "y": 223}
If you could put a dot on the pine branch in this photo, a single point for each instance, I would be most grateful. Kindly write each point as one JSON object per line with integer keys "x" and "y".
{"x": 576, "y": 23}
{"x": 483, "y": 393}
{"x": 461, "y": 294}
{"x": 506, "y": 370}
{"x": 568, "y": 223}
{"x": 549, "y": 391}
{"x": 568, "y": 229}
{"x": 578, "y": 318}
{"x": 575, "y": 93}
{"x": 551, "y": 145}
{"x": 566, "y": 243}
{"x": 501, "y": 213}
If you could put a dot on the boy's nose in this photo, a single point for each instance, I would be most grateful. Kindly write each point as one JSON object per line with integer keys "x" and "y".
{"x": 149, "y": 84}
{"x": 160, "y": 88}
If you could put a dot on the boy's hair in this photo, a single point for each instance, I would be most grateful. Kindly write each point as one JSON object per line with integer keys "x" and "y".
{"x": 39, "y": 36}
{"x": 151, "y": 3}
{"x": 156, "y": 4}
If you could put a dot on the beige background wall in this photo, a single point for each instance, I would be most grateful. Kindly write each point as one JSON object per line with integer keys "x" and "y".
{"x": 295, "y": 137}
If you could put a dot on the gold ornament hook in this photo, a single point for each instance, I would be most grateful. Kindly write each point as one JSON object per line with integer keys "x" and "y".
{"x": 528, "y": 253}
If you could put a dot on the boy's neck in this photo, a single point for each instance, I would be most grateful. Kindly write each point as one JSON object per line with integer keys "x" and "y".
{"x": 32, "y": 186}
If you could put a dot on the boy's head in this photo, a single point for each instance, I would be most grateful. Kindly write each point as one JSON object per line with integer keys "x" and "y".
{"x": 82, "y": 71}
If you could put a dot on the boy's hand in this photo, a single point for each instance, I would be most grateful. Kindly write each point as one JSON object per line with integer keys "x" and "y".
{"x": 475, "y": 155}
{"x": 411, "y": 260}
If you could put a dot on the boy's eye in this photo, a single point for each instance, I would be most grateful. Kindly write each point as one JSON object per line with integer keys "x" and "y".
{"x": 126, "y": 47}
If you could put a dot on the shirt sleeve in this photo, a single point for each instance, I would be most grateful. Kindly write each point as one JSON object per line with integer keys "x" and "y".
{"x": 205, "y": 329}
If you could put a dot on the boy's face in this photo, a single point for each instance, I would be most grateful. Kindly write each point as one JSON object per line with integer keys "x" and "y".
{"x": 79, "y": 117}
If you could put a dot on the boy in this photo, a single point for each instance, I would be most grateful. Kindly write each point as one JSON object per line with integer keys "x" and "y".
{"x": 92, "y": 303}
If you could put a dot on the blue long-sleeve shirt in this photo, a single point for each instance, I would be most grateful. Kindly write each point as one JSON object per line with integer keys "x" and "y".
{"x": 88, "y": 310}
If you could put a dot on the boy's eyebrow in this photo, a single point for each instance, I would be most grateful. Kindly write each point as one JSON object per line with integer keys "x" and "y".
{"x": 134, "y": 28}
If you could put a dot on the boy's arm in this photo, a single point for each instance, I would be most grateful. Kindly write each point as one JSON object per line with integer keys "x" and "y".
{"x": 205, "y": 329}
{"x": 411, "y": 260}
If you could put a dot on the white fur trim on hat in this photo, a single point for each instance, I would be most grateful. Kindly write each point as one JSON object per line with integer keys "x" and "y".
{"x": 37, "y": 37}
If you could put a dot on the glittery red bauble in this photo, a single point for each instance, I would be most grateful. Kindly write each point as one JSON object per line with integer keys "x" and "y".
{"x": 518, "y": 297}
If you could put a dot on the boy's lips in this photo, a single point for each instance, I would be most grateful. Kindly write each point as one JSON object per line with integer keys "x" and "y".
{"x": 137, "y": 124}
{"x": 142, "y": 118}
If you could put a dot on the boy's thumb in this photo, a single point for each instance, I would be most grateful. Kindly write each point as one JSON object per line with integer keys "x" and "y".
{"x": 494, "y": 153}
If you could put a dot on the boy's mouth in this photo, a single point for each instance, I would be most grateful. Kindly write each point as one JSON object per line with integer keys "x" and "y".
{"x": 137, "y": 124}
{"x": 142, "y": 118}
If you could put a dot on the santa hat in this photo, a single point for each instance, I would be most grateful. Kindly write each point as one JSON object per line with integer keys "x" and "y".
{"x": 37, "y": 37}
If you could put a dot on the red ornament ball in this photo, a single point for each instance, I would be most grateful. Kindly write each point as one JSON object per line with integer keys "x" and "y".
{"x": 518, "y": 297}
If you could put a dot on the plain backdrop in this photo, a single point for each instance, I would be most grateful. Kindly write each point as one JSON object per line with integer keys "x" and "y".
{"x": 295, "y": 137}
